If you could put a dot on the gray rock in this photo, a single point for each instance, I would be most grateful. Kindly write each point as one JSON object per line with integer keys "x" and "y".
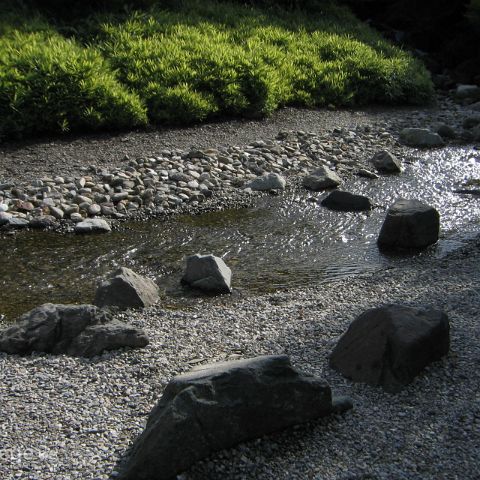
{"x": 42, "y": 222}
{"x": 468, "y": 92}
{"x": 388, "y": 346}
{"x": 66, "y": 329}
{"x": 367, "y": 174}
{"x": 94, "y": 209}
{"x": 5, "y": 218}
{"x": 471, "y": 121}
{"x": 216, "y": 406}
{"x": 91, "y": 225}
{"x": 321, "y": 179}
{"x": 207, "y": 273}
{"x": 475, "y": 133}
{"x": 445, "y": 131}
{"x": 76, "y": 217}
{"x": 386, "y": 162}
{"x": 126, "y": 289}
{"x": 420, "y": 137}
{"x": 474, "y": 106}
{"x": 346, "y": 202}
{"x": 56, "y": 212}
{"x": 409, "y": 224}
{"x": 268, "y": 181}
{"x": 13, "y": 222}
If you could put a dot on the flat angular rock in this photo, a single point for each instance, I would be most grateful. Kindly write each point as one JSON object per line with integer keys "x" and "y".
{"x": 321, "y": 179}
{"x": 42, "y": 222}
{"x": 91, "y": 225}
{"x": 388, "y": 346}
{"x": 14, "y": 223}
{"x": 110, "y": 336}
{"x": 363, "y": 172}
{"x": 268, "y": 181}
{"x": 386, "y": 162}
{"x": 346, "y": 202}
{"x": 207, "y": 273}
{"x": 420, "y": 137}
{"x": 219, "y": 405}
{"x": 126, "y": 289}
{"x": 409, "y": 224}
{"x": 66, "y": 329}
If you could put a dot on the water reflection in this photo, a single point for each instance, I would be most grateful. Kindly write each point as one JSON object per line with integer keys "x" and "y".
{"x": 282, "y": 242}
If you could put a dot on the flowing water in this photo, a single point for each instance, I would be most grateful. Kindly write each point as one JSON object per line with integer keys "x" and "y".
{"x": 280, "y": 242}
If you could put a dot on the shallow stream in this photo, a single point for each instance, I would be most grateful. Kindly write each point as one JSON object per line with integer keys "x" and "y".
{"x": 280, "y": 242}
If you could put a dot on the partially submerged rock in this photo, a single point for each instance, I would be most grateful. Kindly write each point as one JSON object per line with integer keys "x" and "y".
{"x": 42, "y": 222}
{"x": 9, "y": 221}
{"x": 126, "y": 289}
{"x": 77, "y": 330}
{"x": 471, "y": 92}
{"x": 409, "y": 224}
{"x": 444, "y": 130}
{"x": 386, "y": 162}
{"x": 321, "y": 179}
{"x": 207, "y": 273}
{"x": 347, "y": 202}
{"x": 471, "y": 121}
{"x": 268, "y": 181}
{"x": 388, "y": 346}
{"x": 219, "y": 405}
{"x": 421, "y": 137}
{"x": 93, "y": 225}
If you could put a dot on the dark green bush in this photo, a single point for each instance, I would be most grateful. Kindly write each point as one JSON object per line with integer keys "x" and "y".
{"x": 49, "y": 84}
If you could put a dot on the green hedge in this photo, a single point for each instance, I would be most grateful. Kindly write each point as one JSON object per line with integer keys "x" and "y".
{"x": 191, "y": 63}
{"x": 50, "y": 84}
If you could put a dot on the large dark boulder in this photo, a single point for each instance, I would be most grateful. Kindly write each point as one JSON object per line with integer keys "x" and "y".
{"x": 388, "y": 346}
{"x": 346, "y": 202}
{"x": 219, "y": 405}
{"x": 126, "y": 289}
{"x": 77, "y": 330}
{"x": 207, "y": 273}
{"x": 409, "y": 224}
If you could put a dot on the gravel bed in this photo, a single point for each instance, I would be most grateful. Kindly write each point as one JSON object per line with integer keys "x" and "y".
{"x": 66, "y": 418}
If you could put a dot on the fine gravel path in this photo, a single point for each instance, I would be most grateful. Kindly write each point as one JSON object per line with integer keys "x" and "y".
{"x": 66, "y": 418}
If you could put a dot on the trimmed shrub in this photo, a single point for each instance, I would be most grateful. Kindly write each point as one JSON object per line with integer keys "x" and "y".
{"x": 50, "y": 84}
{"x": 194, "y": 62}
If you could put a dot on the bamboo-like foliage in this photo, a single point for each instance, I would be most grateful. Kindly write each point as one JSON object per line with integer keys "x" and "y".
{"x": 192, "y": 63}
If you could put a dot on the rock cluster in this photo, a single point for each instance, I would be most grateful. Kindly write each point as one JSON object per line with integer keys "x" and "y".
{"x": 176, "y": 179}
{"x": 76, "y": 330}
